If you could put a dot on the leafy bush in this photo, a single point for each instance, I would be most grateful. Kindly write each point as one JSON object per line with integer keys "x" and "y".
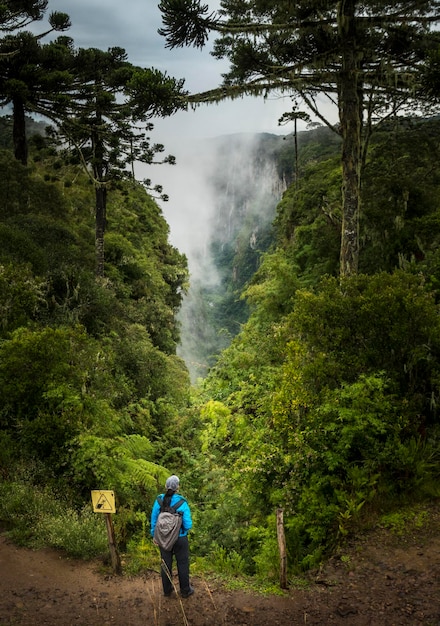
{"x": 266, "y": 558}
{"x": 336, "y": 416}
{"x": 82, "y": 535}
{"x": 120, "y": 463}
{"x": 36, "y": 517}
{"x": 227, "y": 562}
{"x": 141, "y": 555}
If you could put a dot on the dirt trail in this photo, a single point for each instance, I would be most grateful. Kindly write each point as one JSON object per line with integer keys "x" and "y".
{"x": 382, "y": 581}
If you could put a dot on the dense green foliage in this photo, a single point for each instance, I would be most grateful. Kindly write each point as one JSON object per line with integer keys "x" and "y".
{"x": 324, "y": 404}
{"x": 88, "y": 373}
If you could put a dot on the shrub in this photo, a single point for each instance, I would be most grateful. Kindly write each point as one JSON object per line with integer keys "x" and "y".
{"x": 35, "y": 517}
{"x": 228, "y": 562}
{"x": 81, "y": 535}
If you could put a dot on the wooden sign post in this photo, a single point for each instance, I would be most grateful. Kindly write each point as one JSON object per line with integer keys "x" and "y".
{"x": 282, "y": 548}
{"x": 104, "y": 502}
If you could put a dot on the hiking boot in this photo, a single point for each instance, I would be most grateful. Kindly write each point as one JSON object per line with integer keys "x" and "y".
{"x": 188, "y": 593}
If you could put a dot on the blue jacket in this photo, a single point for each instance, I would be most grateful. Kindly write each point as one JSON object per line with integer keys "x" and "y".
{"x": 183, "y": 508}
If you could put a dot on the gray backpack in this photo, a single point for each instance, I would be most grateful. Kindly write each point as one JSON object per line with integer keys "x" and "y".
{"x": 168, "y": 525}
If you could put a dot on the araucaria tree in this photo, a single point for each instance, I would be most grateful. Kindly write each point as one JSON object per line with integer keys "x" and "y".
{"x": 97, "y": 100}
{"x": 110, "y": 120}
{"x": 364, "y": 56}
{"x": 32, "y": 77}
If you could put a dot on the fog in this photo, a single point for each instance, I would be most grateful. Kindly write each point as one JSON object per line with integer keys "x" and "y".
{"x": 218, "y": 188}
{"x": 191, "y": 205}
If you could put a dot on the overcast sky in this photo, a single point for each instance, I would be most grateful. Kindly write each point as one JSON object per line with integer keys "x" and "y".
{"x": 132, "y": 25}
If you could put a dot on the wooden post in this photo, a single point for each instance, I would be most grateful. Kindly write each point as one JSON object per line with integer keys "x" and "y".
{"x": 114, "y": 554}
{"x": 282, "y": 549}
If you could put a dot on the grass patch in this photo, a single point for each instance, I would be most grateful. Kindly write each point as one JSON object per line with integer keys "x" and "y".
{"x": 405, "y": 520}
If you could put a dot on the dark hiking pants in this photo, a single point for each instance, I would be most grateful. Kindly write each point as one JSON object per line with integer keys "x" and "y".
{"x": 181, "y": 551}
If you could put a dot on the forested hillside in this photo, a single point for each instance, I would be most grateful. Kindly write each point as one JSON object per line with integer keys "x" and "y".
{"x": 325, "y": 404}
{"x": 90, "y": 285}
{"x": 90, "y": 380}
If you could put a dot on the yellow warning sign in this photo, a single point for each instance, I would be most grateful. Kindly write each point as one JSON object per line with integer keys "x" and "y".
{"x": 103, "y": 501}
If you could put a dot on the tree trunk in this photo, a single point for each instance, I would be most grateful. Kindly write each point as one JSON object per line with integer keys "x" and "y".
{"x": 351, "y": 127}
{"x": 19, "y": 131}
{"x": 282, "y": 548}
{"x": 296, "y": 152}
{"x": 100, "y": 173}
{"x": 100, "y": 224}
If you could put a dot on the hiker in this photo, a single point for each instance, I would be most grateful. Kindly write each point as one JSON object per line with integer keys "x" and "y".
{"x": 181, "y": 547}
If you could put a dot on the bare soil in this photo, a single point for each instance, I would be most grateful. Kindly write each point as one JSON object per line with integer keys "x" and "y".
{"x": 381, "y": 580}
